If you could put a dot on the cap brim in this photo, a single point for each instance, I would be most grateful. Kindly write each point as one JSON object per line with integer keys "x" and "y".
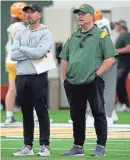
{"x": 27, "y": 8}
{"x": 78, "y": 10}
{"x": 117, "y": 23}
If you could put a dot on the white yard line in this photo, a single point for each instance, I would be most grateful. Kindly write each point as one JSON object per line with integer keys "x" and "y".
{"x": 11, "y": 138}
{"x": 64, "y": 125}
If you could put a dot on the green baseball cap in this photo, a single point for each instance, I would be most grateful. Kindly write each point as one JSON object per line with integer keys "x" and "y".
{"x": 84, "y": 8}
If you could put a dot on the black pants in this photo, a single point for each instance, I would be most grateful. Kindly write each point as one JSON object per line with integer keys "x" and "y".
{"x": 77, "y": 97}
{"x": 122, "y": 74}
{"x": 32, "y": 92}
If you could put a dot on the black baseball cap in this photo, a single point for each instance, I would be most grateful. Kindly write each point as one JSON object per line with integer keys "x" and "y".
{"x": 33, "y": 7}
{"x": 122, "y": 23}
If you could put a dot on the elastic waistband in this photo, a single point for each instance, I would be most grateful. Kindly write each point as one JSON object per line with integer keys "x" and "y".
{"x": 45, "y": 73}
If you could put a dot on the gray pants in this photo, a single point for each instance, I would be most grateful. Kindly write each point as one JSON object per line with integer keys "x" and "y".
{"x": 110, "y": 90}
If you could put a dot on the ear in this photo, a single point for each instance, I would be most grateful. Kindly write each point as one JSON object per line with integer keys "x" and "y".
{"x": 40, "y": 13}
{"x": 92, "y": 16}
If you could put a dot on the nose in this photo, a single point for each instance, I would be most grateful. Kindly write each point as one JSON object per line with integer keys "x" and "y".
{"x": 28, "y": 15}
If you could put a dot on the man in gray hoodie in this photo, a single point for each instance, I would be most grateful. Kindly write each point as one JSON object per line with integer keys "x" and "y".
{"x": 29, "y": 44}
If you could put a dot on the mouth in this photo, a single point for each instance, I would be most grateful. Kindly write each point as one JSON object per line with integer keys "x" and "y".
{"x": 80, "y": 20}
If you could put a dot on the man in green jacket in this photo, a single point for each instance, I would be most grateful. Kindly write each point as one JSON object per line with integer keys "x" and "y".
{"x": 86, "y": 56}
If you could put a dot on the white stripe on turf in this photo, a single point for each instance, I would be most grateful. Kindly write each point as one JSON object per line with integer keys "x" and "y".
{"x": 63, "y": 125}
{"x": 11, "y": 138}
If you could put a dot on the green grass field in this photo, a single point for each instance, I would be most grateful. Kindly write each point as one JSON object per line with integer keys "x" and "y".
{"x": 62, "y": 116}
{"x": 116, "y": 149}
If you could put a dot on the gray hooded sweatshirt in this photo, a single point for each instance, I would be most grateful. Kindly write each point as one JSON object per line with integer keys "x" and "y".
{"x": 30, "y": 44}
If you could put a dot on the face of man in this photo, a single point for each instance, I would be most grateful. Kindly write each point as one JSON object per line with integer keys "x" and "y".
{"x": 32, "y": 17}
{"x": 118, "y": 27}
{"x": 84, "y": 18}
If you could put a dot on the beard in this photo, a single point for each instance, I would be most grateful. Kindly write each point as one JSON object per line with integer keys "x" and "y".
{"x": 32, "y": 21}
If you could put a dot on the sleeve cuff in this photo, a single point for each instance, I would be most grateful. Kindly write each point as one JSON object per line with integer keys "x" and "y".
{"x": 111, "y": 56}
{"x": 64, "y": 58}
